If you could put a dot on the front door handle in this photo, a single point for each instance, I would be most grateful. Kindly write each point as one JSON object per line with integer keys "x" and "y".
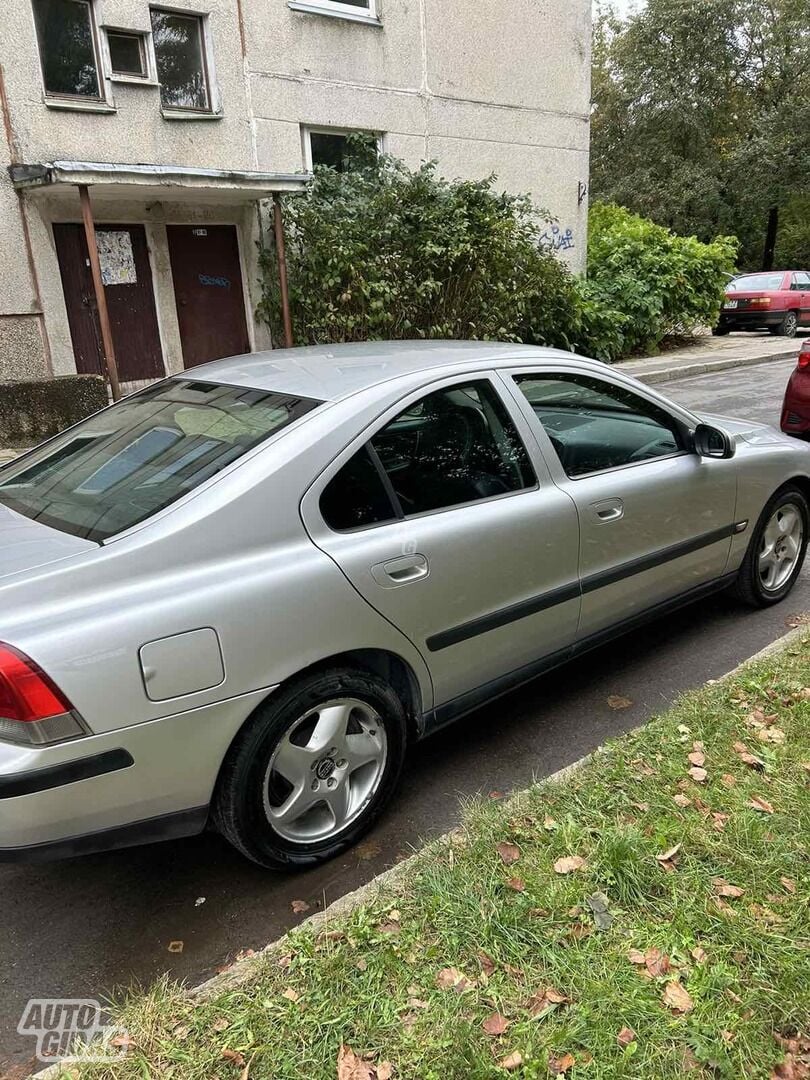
{"x": 607, "y": 510}
{"x": 400, "y": 571}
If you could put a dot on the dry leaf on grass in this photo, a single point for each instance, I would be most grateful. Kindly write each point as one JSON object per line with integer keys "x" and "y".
{"x": 617, "y": 701}
{"x": 789, "y": 884}
{"x": 234, "y": 1056}
{"x": 722, "y": 888}
{"x": 569, "y": 864}
{"x": 625, "y": 1037}
{"x": 549, "y": 824}
{"x": 516, "y": 884}
{"x": 697, "y": 757}
{"x": 560, "y": 1065}
{"x": 698, "y": 775}
{"x": 352, "y": 1067}
{"x": 511, "y": 1062}
{"x": 175, "y": 946}
{"x": 220, "y": 1024}
{"x": 656, "y": 962}
{"x": 635, "y": 956}
{"x": 698, "y": 954}
{"x": 747, "y": 757}
{"x": 668, "y": 856}
{"x": 487, "y": 963}
{"x": 299, "y": 907}
{"x": 290, "y": 994}
{"x": 542, "y": 1000}
{"x": 452, "y": 979}
{"x": 509, "y": 853}
{"x": 682, "y": 800}
{"x": 758, "y": 803}
{"x": 495, "y": 1024}
{"x": 727, "y": 780}
{"x": 676, "y": 998}
{"x": 385, "y": 1070}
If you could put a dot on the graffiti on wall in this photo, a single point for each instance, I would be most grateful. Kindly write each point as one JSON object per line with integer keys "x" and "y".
{"x": 558, "y": 239}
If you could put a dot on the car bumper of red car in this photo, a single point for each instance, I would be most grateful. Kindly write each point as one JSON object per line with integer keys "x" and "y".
{"x": 750, "y": 320}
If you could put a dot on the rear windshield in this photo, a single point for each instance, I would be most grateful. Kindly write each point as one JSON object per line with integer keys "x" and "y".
{"x": 123, "y": 465}
{"x": 756, "y": 283}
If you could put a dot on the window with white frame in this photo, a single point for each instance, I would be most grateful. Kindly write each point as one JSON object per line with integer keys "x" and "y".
{"x": 333, "y": 148}
{"x": 68, "y": 49}
{"x": 363, "y": 10}
{"x": 183, "y": 72}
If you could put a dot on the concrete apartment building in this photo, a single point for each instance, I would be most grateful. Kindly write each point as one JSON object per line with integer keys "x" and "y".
{"x": 180, "y": 122}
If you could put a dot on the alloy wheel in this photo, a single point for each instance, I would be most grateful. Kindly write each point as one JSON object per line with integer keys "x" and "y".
{"x": 325, "y": 770}
{"x": 781, "y": 547}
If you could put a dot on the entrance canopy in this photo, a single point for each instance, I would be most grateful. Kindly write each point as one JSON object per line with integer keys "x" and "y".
{"x": 164, "y": 182}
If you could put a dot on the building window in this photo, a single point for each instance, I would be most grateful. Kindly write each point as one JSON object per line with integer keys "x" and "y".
{"x": 182, "y": 69}
{"x": 336, "y": 150}
{"x": 67, "y": 48}
{"x": 128, "y": 56}
{"x": 361, "y": 10}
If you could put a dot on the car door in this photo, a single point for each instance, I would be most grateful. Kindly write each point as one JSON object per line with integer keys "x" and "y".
{"x": 801, "y": 286}
{"x": 444, "y": 523}
{"x": 655, "y": 519}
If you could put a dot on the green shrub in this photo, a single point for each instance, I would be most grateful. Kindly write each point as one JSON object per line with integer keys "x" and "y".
{"x": 652, "y": 282}
{"x": 382, "y": 252}
{"x": 793, "y": 243}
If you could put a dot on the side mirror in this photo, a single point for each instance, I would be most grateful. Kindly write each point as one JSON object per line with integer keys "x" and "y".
{"x": 711, "y": 442}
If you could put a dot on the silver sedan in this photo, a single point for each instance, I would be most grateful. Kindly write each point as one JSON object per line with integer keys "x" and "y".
{"x": 236, "y": 597}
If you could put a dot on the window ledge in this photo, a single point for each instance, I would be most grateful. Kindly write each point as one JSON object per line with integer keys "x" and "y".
{"x": 312, "y": 7}
{"x": 69, "y": 105}
{"x": 133, "y": 80}
{"x": 189, "y": 114}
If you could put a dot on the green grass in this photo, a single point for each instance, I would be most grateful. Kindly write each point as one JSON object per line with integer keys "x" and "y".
{"x": 369, "y": 980}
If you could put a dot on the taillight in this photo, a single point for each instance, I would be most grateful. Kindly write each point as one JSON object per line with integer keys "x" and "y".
{"x": 760, "y": 301}
{"x": 33, "y": 709}
{"x": 804, "y": 357}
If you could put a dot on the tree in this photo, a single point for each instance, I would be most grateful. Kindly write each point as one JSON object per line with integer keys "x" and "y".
{"x": 701, "y": 114}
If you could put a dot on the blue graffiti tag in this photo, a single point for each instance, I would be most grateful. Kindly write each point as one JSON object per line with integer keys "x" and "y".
{"x": 215, "y": 282}
{"x": 558, "y": 240}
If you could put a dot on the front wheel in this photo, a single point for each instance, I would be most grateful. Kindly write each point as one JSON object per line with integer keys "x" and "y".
{"x": 776, "y": 553}
{"x": 312, "y": 770}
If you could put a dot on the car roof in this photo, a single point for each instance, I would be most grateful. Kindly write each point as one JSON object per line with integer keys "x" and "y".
{"x": 330, "y": 372}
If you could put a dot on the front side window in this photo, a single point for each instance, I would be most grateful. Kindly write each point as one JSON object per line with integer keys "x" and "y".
{"x": 124, "y": 465}
{"x": 67, "y": 48}
{"x": 456, "y": 445}
{"x": 595, "y": 426}
{"x": 181, "y": 67}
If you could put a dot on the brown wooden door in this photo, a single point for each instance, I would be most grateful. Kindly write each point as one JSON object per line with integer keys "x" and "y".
{"x": 130, "y": 300}
{"x": 208, "y": 290}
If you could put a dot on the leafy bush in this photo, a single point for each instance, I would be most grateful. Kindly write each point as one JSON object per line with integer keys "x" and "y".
{"x": 382, "y": 252}
{"x": 793, "y": 244}
{"x": 652, "y": 283}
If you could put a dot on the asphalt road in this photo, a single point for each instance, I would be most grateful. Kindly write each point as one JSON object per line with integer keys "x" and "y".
{"x": 92, "y": 926}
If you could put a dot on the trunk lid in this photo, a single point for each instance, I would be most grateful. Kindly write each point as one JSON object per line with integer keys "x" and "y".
{"x": 27, "y": 545}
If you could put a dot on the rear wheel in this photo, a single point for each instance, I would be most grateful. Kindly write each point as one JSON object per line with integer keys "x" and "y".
{"x": 788, "y": 326}
{"x": 313, "y": 769}
{"x": 721, "y": 331}
{"x": 776, "y": 553}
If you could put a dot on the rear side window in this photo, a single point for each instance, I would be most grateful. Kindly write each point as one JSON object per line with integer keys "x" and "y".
{"x": 122, "y": 466}
{"x": 356, "y": 496}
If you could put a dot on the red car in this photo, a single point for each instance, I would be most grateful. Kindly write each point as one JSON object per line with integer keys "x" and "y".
{"x": 776, "y": 300}
{"x": 796, "y": 410}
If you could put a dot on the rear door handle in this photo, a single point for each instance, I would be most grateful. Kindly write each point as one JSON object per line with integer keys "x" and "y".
{"x": 607, "y": 510}
{"x": 400, "y": 571}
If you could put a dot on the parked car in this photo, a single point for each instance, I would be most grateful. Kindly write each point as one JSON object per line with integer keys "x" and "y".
{"x": 796, "y": 410}
{"x": 236, "y": 597}
{"x": 776, "y": 300}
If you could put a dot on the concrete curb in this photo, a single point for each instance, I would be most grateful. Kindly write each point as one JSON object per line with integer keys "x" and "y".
{"x": 701, "y": 367}
{"x": 390, "y": 880}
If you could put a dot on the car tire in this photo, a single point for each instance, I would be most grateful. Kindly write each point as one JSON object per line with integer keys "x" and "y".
{"x": 787, "y": 327}
{"x": 721, "y": 331}
{"x": 751, "y": 586}
{"x": 280, "y": 764}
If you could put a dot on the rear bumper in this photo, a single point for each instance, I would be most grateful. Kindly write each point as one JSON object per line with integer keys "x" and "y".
{"x": 750, "y": 319}
{"x": 153, "y": 781}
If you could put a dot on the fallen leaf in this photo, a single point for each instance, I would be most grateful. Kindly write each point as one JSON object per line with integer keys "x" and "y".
{"x": 512, "y": 1062}
{"x": 389, "y": 927}
{"x": 220, "y": 1024}
{"x": 234, "y": 1056}
{"x": 676, "y": 998}
{"x": 682, "y": 800}
{"x": 509, "y": 853}
{"x": 543, "y": 1000}
{"x": 487, "y": 963}
{"x": 496, "y": 794}
{"x": 771, "y": 735}
{"x": 617, "y": 701}
{"x": 698, "y": 954}
{"x": 495, "y": 1024}
{"x": 656, "y": 962}
{"x": 361, "y": 964}
{"x": 794, "y": 621}
{"x": 352, "y": 1067}
{"x": 697, "y": 757}
{"x": 299, "y": 907}
{"x": 669, "y": 855}
{"x": 641, "y": 806}
{"x": 758, "y": 803}
{"x": 181, "y": 1032}
{"x": 516, "y": 884}
{"x": 789, "y": 884}
{"x": 569, "y": 864}
{"x": 453, "y": 979}
{"x": 723, "y": 888}
{"x": 727, "y": 780}
{"x": 290, "y": 994}
{"x": 561, "y": 1065}
{"x": 625, "y": 1037}
{"x": 385, "y": 1070}
{"x": 367, "y": 851}
{"x": 636, "y": 956}
{"x": 719, "y": 820}
{"x": 747, "y": 757}
{"x": 698, "y": 775}
{"x": 549, "y": 824}
{"x": 598, "y": 903}
{"x": 176, "y": 946}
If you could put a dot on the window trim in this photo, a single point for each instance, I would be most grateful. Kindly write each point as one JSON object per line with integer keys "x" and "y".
{"x": 82, "y": 102}
{"x": 682, "y": 420}
{"x": 213, "y": 110}
{"x": 149, "y": 78}
{"x": 336, "y": 10}
{"x": 308, "y": 130}
{"x": 366, "y": 437}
